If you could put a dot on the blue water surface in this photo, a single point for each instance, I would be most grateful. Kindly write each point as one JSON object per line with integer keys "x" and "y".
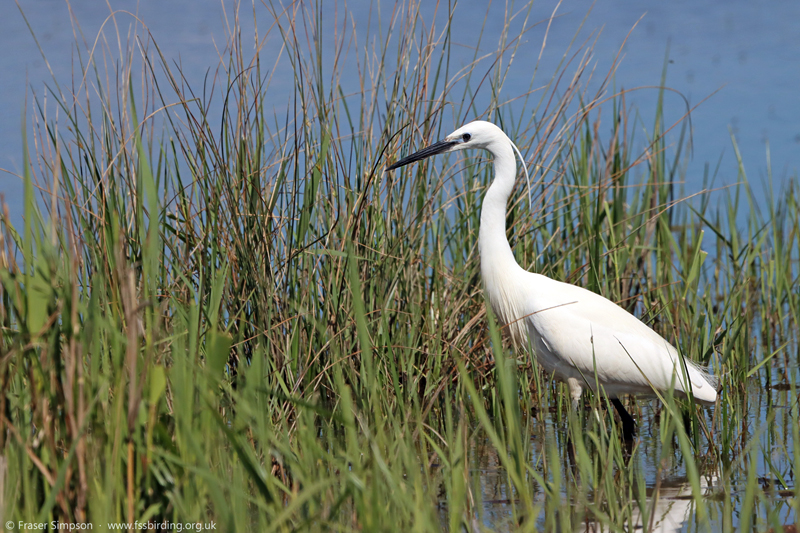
{"x": 741, "y": 59}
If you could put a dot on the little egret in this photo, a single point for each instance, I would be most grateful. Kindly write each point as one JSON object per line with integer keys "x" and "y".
{"x": 576, "y": 335}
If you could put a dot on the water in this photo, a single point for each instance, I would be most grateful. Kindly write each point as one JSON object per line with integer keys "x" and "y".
{"x": 669, "y": 493}
{"x": 743, "y": 56}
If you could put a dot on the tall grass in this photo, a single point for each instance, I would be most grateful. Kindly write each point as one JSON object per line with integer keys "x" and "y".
{"x": 239, "y": 318}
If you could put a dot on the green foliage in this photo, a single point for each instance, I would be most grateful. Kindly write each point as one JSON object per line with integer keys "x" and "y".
{"x": 242, "y": 318}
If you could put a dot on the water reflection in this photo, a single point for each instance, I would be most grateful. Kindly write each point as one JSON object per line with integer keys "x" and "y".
{"x": 670, "y": 507}
{"x": 759, "y": 475}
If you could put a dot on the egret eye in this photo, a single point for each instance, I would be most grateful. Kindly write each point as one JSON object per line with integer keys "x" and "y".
{"x": 466, "y": 137}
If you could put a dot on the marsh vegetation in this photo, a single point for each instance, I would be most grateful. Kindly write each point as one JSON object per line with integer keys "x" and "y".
{"x": 219, "y": 307}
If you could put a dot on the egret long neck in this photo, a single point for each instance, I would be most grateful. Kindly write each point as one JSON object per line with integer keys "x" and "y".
{"x": 496, "y": 255}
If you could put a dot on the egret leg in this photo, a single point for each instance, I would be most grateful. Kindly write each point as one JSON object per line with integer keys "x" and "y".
{"x": 575, "y": 390}
{"x": 628, "y": 424}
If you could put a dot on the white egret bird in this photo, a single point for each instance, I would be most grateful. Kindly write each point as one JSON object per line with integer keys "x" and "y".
{"x": 576, "y": 335}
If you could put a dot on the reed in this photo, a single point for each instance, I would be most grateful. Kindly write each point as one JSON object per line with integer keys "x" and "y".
{"x": 220, "y": 309}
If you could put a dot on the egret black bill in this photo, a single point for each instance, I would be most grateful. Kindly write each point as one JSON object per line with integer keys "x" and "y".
{"x": 438, "y": 148}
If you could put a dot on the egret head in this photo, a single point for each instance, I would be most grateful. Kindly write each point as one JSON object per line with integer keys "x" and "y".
{"x": 477, "y": 134}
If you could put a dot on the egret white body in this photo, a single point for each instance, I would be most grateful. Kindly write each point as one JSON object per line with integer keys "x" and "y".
{"x": 576, "y": 335}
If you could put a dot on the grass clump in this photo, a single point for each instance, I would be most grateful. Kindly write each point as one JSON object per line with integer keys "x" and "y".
{"x": 222, "y": 310}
